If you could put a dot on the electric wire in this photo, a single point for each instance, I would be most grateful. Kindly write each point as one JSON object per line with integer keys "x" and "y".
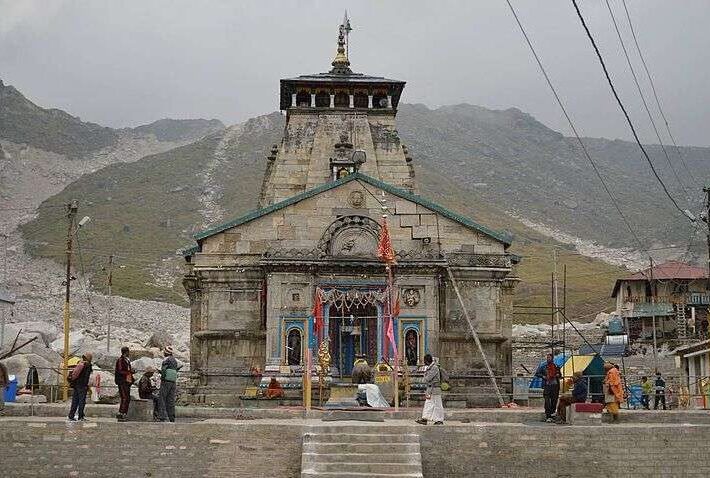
{"x": 623, "y": 110}
{"x": 643, "y": 100}
{"x": 653, "y": 89}
{"x": 574, "y": 129}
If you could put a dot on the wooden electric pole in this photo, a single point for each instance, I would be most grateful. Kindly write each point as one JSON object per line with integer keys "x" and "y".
{"x": 71, "y": 214}
{"x": 110, "y": 302}
{"x": 653, "y": 316}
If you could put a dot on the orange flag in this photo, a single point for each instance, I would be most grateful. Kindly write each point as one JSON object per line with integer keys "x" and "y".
{"x": 384, "y": 248}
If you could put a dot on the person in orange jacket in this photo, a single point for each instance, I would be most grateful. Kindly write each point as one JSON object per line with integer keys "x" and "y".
{"x": 613, "y": 390}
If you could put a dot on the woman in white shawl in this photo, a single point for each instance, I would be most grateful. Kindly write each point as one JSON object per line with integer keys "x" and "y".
{"x": 433, "y": 406}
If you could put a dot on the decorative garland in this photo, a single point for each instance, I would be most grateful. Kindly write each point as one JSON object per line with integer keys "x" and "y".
{"x": 349, "y": 298}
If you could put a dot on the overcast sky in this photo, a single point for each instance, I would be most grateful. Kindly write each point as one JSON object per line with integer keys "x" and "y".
{"x": 132, "y": 62}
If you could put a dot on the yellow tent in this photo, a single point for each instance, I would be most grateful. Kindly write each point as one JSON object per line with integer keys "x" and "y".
{"x": 576, "y": 363}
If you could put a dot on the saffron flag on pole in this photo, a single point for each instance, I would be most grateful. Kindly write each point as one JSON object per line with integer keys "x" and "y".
{"x": 390, "y": 329}
{"x": 384, "y": 247}
{"x": 317, "y": 316}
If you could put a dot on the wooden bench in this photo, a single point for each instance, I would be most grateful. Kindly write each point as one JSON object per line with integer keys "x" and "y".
{"x": 585, "y": 413}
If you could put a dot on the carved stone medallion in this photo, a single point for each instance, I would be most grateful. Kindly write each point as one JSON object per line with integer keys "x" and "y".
{"x": 411, "y": 297}
{"x": 356, "y": 199}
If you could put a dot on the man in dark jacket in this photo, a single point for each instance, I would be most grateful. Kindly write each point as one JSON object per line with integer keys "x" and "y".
{"x": 168, "y": 387}
{"x": 124, "y": 380}
{"x": 79, "y": 381}
{"x": 660, "y": 386}
{"x": 550, "y": 374}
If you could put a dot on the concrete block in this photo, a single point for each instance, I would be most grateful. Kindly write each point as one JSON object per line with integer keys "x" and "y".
{"x": 428, "y": 219}
{"x": 405, "y": 207}
{"x": 420, "y": 232}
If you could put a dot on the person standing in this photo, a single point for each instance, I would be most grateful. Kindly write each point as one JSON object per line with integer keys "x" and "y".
{"x": 613, "y": 391}
{"x": 168, "y": 387}
{"x": 660, "y": 386}
{"x": 550, "y": 374}
{"x": 646, "y": 388}
{"x": 4, "y": 380}
{"x": 124, "y": 380}
{"x": 79, "y": 381}
{"x": 433, "y": 406}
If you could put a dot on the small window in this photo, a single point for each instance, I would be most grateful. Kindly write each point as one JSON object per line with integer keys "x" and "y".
{"x": 293, "y": 347}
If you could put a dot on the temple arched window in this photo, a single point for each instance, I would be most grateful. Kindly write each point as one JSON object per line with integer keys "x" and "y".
{"x": 411, "y": 346}
{"x": 293, "y": 347}
{"x": 303, "y": 99}
{"x": 322, "y": 99}
{"x": 360, "y": 100}
{"x": 342, "y": 100}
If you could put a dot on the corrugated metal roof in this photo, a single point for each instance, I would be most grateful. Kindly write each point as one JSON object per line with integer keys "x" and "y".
{"x": 666, "y": 271}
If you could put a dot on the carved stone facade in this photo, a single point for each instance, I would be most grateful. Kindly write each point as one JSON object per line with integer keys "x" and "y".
{"x": 252, "y": 281}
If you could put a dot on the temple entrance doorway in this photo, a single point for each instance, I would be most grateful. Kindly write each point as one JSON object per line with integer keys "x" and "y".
{"x": 353, "y": 332}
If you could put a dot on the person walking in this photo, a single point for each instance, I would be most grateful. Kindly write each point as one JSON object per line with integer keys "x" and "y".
{"x": 168, "y": 387}
{"x": 550, "y": 374}
{"x": 433, "y": 406}
{"x": 646, "y": 388}
{"x": 4, "y": 380}
{"x": 79, "y": 381}
{"x": 124, "y": 379}
{"x": 660, "y": 387}
{"x": 147, "y": 390}
{"x": 613, "y": 391}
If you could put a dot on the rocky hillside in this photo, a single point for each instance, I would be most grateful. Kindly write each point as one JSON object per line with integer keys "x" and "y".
{"x": 143, "y": 212}
{"x": 510, "y": 159}
{"x": 41, "y": 152}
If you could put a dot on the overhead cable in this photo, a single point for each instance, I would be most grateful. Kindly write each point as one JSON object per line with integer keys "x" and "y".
{"x": 626, "y": 115}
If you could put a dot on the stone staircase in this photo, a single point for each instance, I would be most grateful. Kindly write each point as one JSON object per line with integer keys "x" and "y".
{"x": 366, "y": 450}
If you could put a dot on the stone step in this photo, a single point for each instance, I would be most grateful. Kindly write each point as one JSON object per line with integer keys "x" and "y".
{"x": 351, "y": 429}
{"x": 344, "y": 447}
{"x": 382, "y": 457}
{"x": 367, "y": 467}
{"x": 316, "y": 474}
{"x": 362, "y": 437}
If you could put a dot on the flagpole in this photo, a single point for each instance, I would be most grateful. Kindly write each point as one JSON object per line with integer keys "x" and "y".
{"x": 396, "y": 355}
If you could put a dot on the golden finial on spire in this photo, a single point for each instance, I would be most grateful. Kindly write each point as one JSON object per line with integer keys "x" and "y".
{"x": 341, "y": 63}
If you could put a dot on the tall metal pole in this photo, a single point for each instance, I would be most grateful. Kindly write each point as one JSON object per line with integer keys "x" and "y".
{"x": 706, "y": 190}
{"x": 71, "y": 214}
{"x": 110, "y": 302}
{"x": 552, "y": 315}
{"x": 5, "y": 281}
{"x": 653, "y": 317}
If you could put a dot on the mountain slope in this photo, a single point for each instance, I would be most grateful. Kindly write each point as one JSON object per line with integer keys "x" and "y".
{"x": 517, "y": 163}
{"x": 142, "y": 212}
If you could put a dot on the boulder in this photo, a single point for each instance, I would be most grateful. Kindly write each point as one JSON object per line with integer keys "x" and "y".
{"x": 142, "y": 363}
{"x": 45, "y": 331}
{"x": 19, "y": 365}
{"x": 37, "y": 347}
{"x": 160, "y": 340}
{"x": 104, "y": 388}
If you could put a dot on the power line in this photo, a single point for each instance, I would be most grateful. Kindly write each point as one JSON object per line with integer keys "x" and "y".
{"x": 623, "y": 109}
{"x": 643, "y": 100}
{"x": 574, "y": 129}
{"x": 653, "y": 89}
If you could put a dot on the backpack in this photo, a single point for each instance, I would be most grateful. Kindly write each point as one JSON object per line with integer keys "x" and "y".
{"x": 444, "y": 379}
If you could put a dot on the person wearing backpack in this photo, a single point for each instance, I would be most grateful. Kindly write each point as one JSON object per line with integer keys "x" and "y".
{"x": 123, "y": 376}
{"x": 79, "y": 381}
{"x": 433, "y": 406}
{"x": 168, "y": 387}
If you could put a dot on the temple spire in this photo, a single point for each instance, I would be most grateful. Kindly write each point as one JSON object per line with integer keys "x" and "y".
{"x": 341, "y": 64}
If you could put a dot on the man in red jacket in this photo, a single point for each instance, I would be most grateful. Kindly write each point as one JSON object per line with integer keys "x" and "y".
{"x": 124, "y": 380}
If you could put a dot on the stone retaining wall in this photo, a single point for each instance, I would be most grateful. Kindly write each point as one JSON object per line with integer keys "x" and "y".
{"x": 271, "y": 448}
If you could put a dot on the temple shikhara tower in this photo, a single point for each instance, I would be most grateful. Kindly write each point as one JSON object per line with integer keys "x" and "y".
{"x": 304, "y": 269}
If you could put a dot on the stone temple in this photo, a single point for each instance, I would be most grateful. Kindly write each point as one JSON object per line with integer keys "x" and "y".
{"x": 252, "y": 282}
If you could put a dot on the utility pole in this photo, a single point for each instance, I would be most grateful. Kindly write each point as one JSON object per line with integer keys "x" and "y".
{"x": 706, "y": 190}
{"x": 556, "y": 304}
{"x": 653, "y": 317}
{"x": 6, "y": 282}
{"x": 71, "y": 214}
{"x": 110, "y": 302}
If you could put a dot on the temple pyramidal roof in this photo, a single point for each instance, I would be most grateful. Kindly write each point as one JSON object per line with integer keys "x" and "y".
{"x": 504, "y": 237}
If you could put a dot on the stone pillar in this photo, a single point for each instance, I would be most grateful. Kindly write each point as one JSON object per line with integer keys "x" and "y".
{"x": 369, "y": 101}
{"x": 389, "y": 101}
{"x": 332, "y": 100}
{"x": 313, "y": 100}
{"x": 352, "y": 101}
{"x": 293, "y": 100}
